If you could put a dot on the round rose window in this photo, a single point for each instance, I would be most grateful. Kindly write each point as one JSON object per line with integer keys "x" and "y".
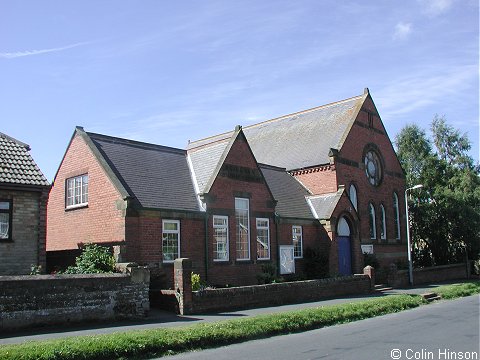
{"x": 373, "y": 168}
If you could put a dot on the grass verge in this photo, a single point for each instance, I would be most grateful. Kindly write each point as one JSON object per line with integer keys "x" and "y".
{"x": 458, "y": 290}
{"x": 167, "y": 341}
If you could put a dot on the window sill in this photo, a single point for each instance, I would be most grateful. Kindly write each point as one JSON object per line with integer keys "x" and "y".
{"x": 6, "y": 240}
{"x": 75, "y": 207}
{"x": 263, "y": 259}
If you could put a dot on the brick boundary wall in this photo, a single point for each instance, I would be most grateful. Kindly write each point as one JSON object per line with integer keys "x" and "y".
{"x": 213, "y": 300}
{"x": 37, "y": 300}
{"x": 399, "y": 278}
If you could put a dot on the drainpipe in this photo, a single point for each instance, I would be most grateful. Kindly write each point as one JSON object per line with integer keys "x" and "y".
{"x": 206, "y": 245}
{"x": 277, "y": 237}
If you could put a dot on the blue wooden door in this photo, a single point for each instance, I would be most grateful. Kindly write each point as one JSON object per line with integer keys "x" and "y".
{"x": 344, "y": 255}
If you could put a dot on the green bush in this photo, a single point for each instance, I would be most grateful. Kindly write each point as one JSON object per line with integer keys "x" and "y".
{"x": 316, "y": 264}
{"x": 371, "y": 260}
{"x": 94, "y": 259}
{"x": 268, "y": 274}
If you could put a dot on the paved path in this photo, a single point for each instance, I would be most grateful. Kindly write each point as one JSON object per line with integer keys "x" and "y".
{"x": 158, "y": 318}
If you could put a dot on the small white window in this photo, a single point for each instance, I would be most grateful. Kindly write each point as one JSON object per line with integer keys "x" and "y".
{"x": 396, "y": 216}
{"x": 220, "y": 238}
{"x": 297, "y": 238}
{"x": 373, "y": 229}
{"x": 383, "y": 223}
{"x": 263, "y": 239}
{"x": 76, "y": 192}
{"x": 242, "y": 228}
{"x": 170, "y": 240}
{"x": 353, "y": 196}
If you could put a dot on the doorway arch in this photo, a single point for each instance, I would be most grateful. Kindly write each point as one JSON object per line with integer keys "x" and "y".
{"x": 344, "y": 246}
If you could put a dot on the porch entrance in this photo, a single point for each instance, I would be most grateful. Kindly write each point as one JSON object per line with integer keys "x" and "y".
{"x": 344, "y": 248}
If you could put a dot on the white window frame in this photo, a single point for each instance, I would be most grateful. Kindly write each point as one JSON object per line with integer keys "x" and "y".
{"x": 76, "y": 191}
{"x": 383, "y": 223}
{"x": 223, "y": 227}
{"x": 299, "y": 243}
{"x": 177, "y": 231}
{"x": 372, "y": 221}
{"x": 352, "y": 192}
{"x": 240, "y": 227}
{"x": 6, "y": 214}
{"x": 259, "y": 241}
{"x": 396, "y": 215}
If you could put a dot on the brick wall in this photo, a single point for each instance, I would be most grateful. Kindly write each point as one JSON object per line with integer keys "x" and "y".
{"x": 27, "y": 246}
{"x": 101, "y": 221}
{"x": 318, "y": 180}
{"x": 187, "y": 301}
{"x": 27, "y": 301}
{"x": 429, "y": 275}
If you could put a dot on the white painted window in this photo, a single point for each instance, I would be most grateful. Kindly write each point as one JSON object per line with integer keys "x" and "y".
{"x": 373, "y": 229}
{"x": 263, "y": 239}
{"x": 170, "y": 240}
{"x": 383, "y": 223}
{"x": 297, "y": 237}
{"x": 396, "y": 216}
{"x": 5, "y": 220}
{"x": 220, "y": 238}
{"x": 353, "y": 196}
{"x": 242, "y": 228}
{"x": 76, "y": 191}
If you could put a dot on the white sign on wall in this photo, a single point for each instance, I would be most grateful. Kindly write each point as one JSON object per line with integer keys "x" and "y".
{"x": 287, "y": 262}
{"x": 367, "y": 249}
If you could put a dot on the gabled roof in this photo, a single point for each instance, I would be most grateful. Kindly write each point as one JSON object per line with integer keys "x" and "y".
{"x": 17, "y": 167}
{"x": 206, "y": 161}
{"x": 323, "y": 205}
{"x": 302, "y": 139}
{"x": 156, "y": 176}
{"x": 288, "y": 192}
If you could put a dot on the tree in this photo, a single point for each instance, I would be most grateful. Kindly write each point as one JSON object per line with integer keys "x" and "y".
{"x": 445, "y": 216}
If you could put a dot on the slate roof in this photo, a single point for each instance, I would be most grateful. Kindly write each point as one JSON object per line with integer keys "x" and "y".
{"x": 302, "y": 139}
{"x": 205, "y": 160}
{"x": 157, "y": 176}
{"x": 288, "y": 192}
{"x": 17, "y": 165}
{"x": 323, "y": 205}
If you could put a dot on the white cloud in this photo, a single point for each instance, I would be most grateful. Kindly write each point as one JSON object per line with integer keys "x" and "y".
{"x": 417, "y": 90}
{"x": 436, "y": 7}
{"x": 13, "y": 55}
{"x": 402, "y": 31}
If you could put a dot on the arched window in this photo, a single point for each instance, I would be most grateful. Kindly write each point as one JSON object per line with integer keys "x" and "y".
{"x": 383, "y": 223}
{"x": 396, "y": 216}
{"x": 373, "y": 230}
{"x": 352, "y": 192}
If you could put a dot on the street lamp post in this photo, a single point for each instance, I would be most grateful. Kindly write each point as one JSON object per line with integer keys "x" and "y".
{"x": 410, "y": 264}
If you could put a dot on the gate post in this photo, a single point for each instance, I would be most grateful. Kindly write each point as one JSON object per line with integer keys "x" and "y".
{"x": 183, "y": 284}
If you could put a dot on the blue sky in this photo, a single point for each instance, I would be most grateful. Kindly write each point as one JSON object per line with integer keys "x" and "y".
{"x": 169, "y": 71}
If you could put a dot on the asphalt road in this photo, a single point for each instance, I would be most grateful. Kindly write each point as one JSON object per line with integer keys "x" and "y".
{"x": 441, "y": 331}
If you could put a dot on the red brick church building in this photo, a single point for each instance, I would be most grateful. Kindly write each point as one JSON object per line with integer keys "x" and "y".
{"x": 326, "y": 179}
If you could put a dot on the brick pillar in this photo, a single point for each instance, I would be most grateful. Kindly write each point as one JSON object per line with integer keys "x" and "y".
{"x": 370, "y": 272}
{"x": 183, "y": 284}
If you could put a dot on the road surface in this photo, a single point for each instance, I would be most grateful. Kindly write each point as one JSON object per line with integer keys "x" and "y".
{"x": 444, "y": 330}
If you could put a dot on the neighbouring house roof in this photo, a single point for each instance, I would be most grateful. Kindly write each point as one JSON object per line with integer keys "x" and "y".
{"x": 298, "y": 140}
{"x": 156, "y": 176}
{"x": 288, "y": 192}
{"x": 17, "y": 166}
{"x": 323, "y": 205}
